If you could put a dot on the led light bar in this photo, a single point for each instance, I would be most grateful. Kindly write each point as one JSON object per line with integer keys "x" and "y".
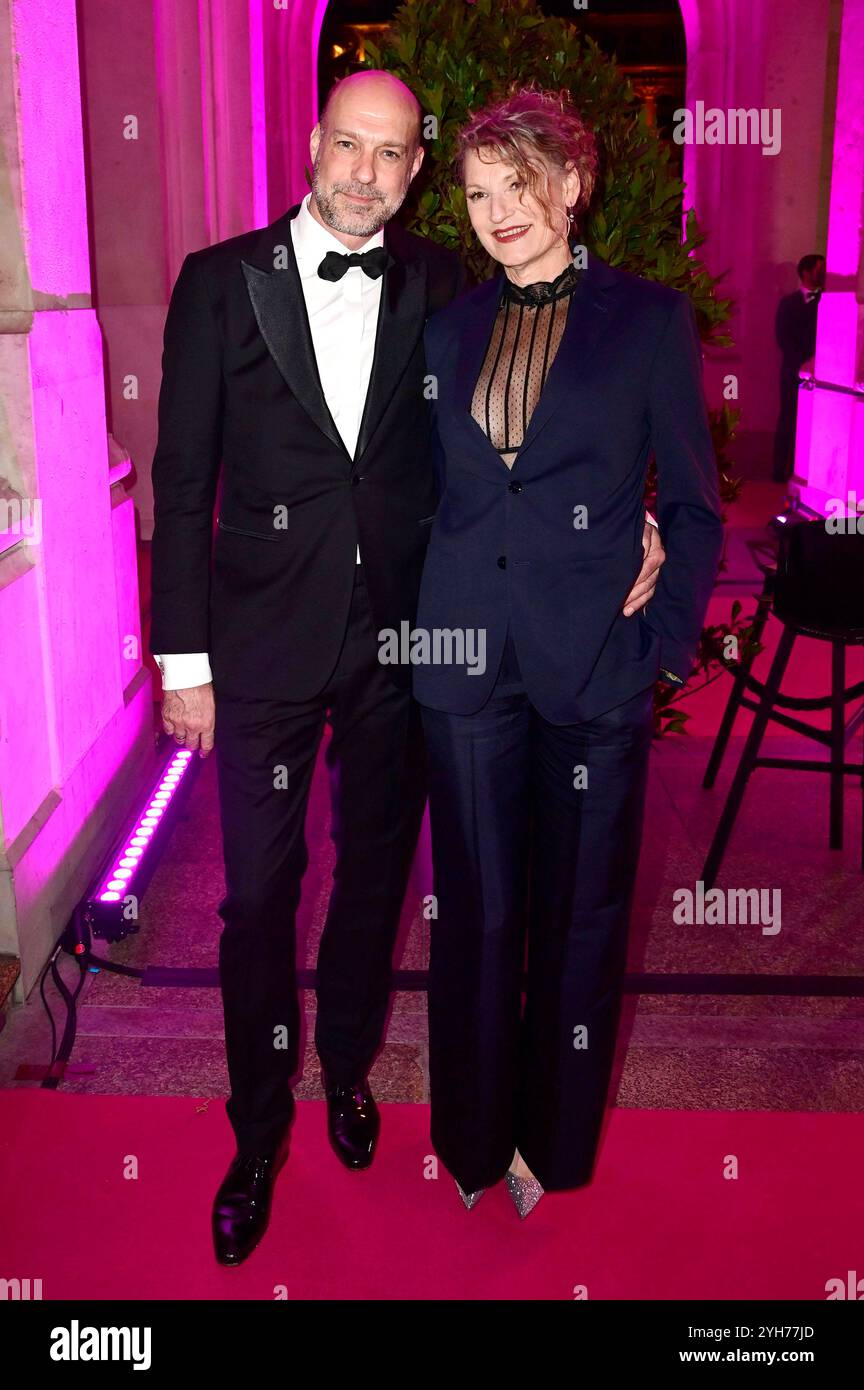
{"x": 130, "y": 864}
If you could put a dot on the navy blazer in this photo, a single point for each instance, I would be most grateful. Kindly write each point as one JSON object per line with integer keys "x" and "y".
{"x": 552, "y": 546}
{"x": 795, "y": 330}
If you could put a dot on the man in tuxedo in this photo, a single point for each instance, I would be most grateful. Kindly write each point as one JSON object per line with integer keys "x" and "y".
{"x": 293, "y": 362}
{"x": 795, "y": 331}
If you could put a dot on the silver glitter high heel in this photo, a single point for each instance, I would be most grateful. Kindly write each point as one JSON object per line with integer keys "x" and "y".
{"x": 470, "y": 1198}
{"x": 526, "y": 1193}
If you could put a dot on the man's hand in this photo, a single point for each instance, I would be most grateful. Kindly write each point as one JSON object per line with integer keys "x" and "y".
{"x": 190, "y": 715}
{"x": 646, "y": 581}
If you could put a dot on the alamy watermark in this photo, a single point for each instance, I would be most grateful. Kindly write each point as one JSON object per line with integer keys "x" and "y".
{"x": 77, "y": 1343}
{"x": 721, "y": 907}
{"x": 735, "y": 126}
{"x": 845, "y": 518}
{"x": 437, "y": 646}
{"x": 21, "y": 516}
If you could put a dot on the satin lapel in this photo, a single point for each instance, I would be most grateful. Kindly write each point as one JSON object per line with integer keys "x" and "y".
{"x": 401, "y": 317}
{"x": 473, "y": 341}
{"x": 587, "y": 319}
{"x": 280, "y": 311}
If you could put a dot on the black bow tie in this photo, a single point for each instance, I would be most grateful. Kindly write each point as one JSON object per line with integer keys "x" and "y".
{"x": 373, "y": 263}
{"x": 813, "y": 294}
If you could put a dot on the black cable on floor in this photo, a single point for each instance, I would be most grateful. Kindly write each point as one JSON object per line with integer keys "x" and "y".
{"x": 67, "y": 1042}
{"x": 42, "y": 978}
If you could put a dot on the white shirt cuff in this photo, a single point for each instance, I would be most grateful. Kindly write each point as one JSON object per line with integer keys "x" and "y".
{"x": 183, "y": 670}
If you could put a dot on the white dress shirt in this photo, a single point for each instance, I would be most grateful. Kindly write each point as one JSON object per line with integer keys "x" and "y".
{"x": 343, "y": 320}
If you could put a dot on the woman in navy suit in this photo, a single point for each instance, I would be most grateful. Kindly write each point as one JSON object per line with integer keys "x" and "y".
{"x": 556, "y": 380}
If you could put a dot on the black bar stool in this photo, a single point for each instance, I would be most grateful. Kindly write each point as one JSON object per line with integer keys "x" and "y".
{"x": 817, "y": 591}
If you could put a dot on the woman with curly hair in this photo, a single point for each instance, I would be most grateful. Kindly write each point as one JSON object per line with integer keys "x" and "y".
{"x": 556, "y": 380}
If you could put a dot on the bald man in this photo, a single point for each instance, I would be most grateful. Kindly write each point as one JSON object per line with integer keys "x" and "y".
{"x": 294, "y": 362}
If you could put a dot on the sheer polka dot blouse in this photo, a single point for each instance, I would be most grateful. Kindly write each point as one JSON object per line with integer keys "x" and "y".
{"x": 524, "y": 340}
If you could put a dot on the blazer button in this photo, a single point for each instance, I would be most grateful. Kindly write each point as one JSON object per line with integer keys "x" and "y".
{"x": 515, "y": 487}
{"x": 502, "y": 562}
{"x": 355, "y": 480}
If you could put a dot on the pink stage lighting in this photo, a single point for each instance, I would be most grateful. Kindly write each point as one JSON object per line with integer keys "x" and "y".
{"x": 111, "y": 909}
{"x": 137, "y": 842}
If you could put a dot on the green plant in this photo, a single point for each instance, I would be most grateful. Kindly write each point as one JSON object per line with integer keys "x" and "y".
{"x": 711, "y": 662}
{"x": 458, "y": 55}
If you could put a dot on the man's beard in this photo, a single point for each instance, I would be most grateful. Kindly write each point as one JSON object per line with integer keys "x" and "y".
{"x": 356, "y": 220}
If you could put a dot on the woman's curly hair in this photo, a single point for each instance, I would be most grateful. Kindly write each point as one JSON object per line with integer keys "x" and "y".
{"x": 530, "y": 122}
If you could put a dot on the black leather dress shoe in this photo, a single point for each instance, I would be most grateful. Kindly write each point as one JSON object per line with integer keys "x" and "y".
{"x": 353, "y": 1123}
{"x": 241, "y": 1208}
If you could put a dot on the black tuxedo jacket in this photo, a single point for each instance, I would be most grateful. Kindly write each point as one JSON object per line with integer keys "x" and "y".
{"x": 795, "y": 330}
{"x": 240, "y": 390}
{"x": 508, "y": 546}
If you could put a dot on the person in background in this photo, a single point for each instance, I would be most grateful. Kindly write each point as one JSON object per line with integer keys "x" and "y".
{"x": 795, "y": 330}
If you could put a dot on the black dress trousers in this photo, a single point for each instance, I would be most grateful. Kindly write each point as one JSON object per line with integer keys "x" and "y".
{"x": 787, "y": 421}
{"x": 265, "y": 753}
{"x": 535, "y": 840}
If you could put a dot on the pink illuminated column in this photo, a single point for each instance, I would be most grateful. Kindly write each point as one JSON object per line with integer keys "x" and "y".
{"x": 74, "y": 698}
{"x": 208, "y": 57}
{"x": 829, "y": 457}
{"x": 292, "y": 30}
{"x": 760, "y": 212}
{"x": 191, "y": 74}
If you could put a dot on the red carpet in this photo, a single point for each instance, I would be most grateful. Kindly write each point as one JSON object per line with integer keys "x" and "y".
{"x": 659, "y": 1220}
